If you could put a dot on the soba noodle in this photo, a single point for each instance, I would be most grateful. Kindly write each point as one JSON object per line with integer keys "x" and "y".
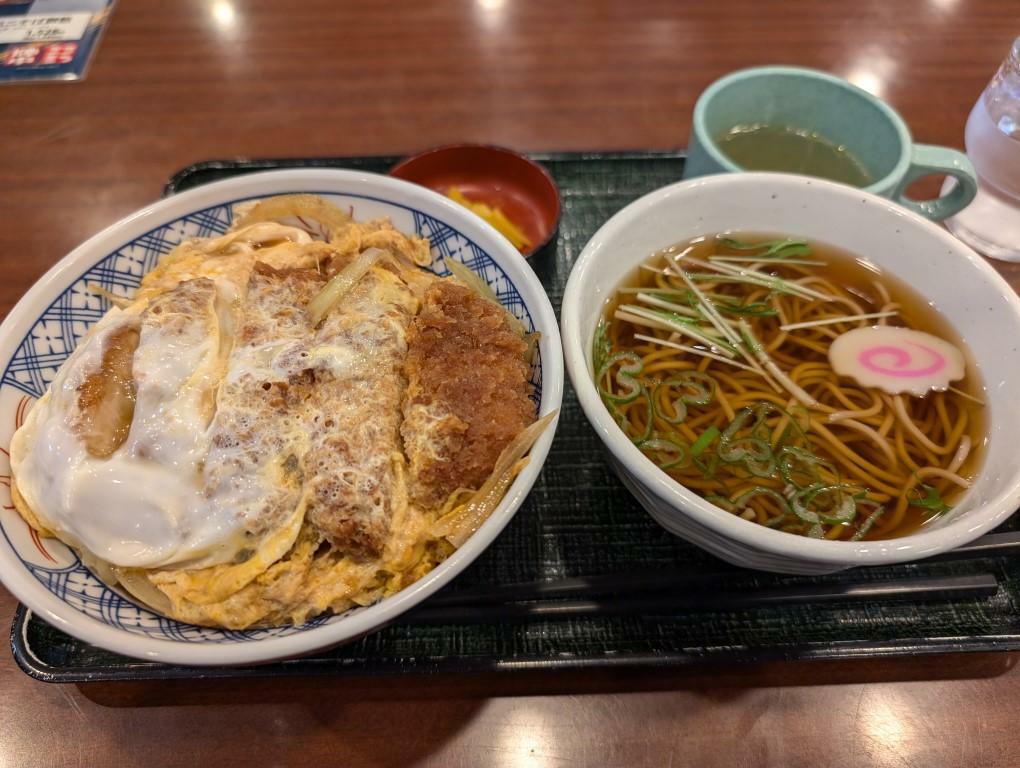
{"x": 714, "y": 361}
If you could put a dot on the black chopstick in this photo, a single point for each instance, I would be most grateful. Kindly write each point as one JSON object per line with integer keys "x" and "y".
{"x": 989, "y": 545}
{"x": 665, "y": 603}
{"x": 587, "y": 586}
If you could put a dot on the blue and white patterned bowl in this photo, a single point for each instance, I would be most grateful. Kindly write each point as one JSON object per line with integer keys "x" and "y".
{"x": 44, "y": 327}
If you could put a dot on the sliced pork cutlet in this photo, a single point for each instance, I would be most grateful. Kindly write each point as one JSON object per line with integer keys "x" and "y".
{"x": 186, "y": 335}
{"x": 467, "y": 394}
{"x": 353, "y": 413}
{"x": 257, "y": 436}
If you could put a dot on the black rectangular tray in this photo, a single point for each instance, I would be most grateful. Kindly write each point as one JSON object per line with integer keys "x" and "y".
{"x": 579, "y": 523}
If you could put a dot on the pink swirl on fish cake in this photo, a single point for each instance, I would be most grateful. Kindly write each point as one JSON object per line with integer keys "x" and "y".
{"x": 901, "y": 358}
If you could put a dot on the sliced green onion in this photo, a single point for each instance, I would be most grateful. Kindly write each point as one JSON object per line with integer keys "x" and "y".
{"x": 798, "y": 503}
{"x": 843, "y": 511}
{"x": 651, "y": 299}
{"x": 621, "y": 420}
{"x": 742, "y": 499}
{"x": 747, "y": 272}
{"x": 750, "y": 339}
{"x": 787, "y": 251}
{"x": 708, "y": 467}
{"x": 758, "y": 428}
{"x": 341, "y": 284}
{"x": 767, "y": 260}
{"x": 600, "y": 346}
{"x": 705, "y": 306}
{"x": 866, "y": 526}
{"x": 674, "y": 322}
{"x": 786, "y": 247}
{"x": 755, "y": 453}
{"x": 760, "y": 462}
{"x": 773, "y": 283}
{"x": 762, "y": 355}
{"x": 674, "y": 452}
{"x": 789, "y": 455}
{"x": 704, "y": 440}
{"x": 631, "y": 366}
{"x": 754, "y": 309}
{"x": 932, "y": 501}
{"x": 692, "y": 351}
{"x": 836, "y": 320}
{"x": 721, "y": 501}
{"x": 655, "y": 291}
{"x": 695, "y": 388}
{"x": 739, "y": 420}
{"x": 791, "y": 415}
{"x": 742, "y": 245}
{"x": 644, "y": 437}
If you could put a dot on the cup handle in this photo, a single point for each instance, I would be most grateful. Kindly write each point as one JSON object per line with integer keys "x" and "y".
{"x": 926, "y": 160}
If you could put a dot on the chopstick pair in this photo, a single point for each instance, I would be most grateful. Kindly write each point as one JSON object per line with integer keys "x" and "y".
{"x": 668, "y": 592}
{"x": 527, "y": 607}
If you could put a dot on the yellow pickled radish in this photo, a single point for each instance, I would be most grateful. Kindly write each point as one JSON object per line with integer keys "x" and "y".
{"x": 495, "y": 216}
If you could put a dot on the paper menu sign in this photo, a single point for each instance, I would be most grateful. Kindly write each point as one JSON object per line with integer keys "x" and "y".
{"x": 40, "y": 28}
{"x": 49, "y": 39}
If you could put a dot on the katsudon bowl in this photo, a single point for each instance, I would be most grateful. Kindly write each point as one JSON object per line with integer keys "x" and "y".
{"x": 55, "y": 315}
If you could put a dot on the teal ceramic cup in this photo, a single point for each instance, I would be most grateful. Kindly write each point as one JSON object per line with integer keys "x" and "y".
{"x": 837, "y": 111}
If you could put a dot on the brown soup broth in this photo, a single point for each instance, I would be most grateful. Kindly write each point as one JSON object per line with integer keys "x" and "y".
{"x": 863, "y": 283}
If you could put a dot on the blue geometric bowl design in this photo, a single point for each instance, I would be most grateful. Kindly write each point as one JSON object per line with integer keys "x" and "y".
{"x": 59, "y": 329}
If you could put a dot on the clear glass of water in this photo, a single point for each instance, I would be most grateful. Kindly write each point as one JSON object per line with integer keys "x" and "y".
{"x": 991, "y": 224}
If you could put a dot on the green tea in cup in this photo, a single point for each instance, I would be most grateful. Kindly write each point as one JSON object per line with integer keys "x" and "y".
{"x": 797, "y": 120}
{"x": 764, "y": 147}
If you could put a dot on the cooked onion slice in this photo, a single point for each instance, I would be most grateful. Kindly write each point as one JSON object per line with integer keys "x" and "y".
{"x": 482, "y": 288}
{"x": 314, "y": 215}
{"x": 121, "y": 302}
{"x": 137, "y": 584}
{"x": 458, "y": 526}
{"x": 471, "y": 280}
{"x": 341, "y": 284}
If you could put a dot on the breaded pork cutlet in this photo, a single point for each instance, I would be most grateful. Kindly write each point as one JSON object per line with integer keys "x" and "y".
{"x": 467, "y": 394}
{"x": 353, "y": 413}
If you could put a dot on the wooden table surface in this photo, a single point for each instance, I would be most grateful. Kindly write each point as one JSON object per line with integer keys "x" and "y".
{"x": 178, "y": 82}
